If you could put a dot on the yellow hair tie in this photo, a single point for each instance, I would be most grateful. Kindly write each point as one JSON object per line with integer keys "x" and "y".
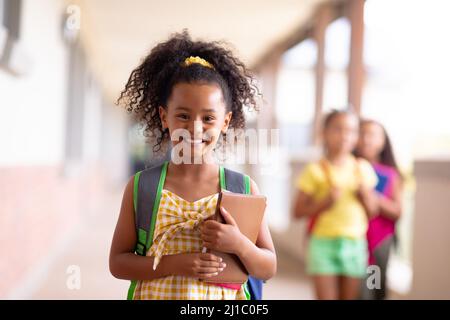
{"x": 203, "y": 62}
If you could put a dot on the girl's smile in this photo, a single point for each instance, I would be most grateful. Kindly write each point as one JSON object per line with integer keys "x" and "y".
{"x": 195, "y": 115}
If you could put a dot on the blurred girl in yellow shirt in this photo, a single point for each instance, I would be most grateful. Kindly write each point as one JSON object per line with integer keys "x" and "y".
{"x": 336, "y": 193}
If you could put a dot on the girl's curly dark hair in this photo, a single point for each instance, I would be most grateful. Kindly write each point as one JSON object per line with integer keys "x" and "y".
{"x": 150, "y": 84}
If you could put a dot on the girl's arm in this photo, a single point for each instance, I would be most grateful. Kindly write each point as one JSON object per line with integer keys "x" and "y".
{"x": 306, "y": 206}
{"x": 369, "y": 200}
{"x": 124, "y": 264}
{"x": 391, "y": 208}
{"x": 259, "y": 259}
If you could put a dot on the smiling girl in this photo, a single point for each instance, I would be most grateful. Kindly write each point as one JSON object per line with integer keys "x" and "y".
{"x": 188, "y": 93}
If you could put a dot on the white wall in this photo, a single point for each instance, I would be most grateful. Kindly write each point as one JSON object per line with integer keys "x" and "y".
{"x": 32, "y": 106}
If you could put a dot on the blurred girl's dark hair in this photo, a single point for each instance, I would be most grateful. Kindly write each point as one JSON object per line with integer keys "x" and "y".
{"x": 334, "y": 113}
{"x": 386, "y": 155}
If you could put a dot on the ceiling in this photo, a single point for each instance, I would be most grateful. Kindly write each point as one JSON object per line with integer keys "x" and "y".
{"x": 117, "y": 34}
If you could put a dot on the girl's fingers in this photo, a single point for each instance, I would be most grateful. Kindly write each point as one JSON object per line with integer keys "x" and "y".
{"x": 207, "y": 275}
{"x": 206, "y": 232}
{"x": 209, "y": 270}
{"x": 211, "y": 225}
{"x": 212, "y": 264}
{"x": 208, "y": 238}
{"x": 227, "y": 216}
{"x": 210, "y": 257}
{"x": 210, "y": 235}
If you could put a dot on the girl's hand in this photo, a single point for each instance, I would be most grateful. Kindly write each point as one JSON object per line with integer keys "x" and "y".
{"x": 362, "y": 193}
{"x": 222, "y": 237}
{"x": 200, "y": 265}
{"x": 333, "y": 197}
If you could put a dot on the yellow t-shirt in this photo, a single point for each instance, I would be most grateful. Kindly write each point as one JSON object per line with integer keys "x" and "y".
{"x": 346, "y": 218}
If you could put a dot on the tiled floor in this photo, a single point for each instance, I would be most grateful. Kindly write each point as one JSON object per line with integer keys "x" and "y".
{"x": 290, "y": 282}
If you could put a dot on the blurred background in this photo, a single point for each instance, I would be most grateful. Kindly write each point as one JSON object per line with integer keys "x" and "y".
{"x": 66, "y": 149}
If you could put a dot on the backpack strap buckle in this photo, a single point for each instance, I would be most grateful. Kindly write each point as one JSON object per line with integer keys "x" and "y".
{"x": 140, "y": 248}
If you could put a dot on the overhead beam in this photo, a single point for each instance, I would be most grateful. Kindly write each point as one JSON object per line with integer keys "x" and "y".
{"x": 324, "y": 18}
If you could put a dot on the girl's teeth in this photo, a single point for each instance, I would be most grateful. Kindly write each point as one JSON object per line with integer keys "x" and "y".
{"x": 194, "y": 141}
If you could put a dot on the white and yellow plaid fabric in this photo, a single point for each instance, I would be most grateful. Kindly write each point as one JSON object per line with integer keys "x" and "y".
{"x": 176, "y": 231}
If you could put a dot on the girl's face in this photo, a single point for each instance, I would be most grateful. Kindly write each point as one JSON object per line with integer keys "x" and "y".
{"x": 195, "y": 116}
{"x": 341, "y": 134}
{"x": 371, "y": 140}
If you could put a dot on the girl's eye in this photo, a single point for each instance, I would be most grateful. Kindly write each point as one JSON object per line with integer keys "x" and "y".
{"x": 183, "y": 116}
{"x": 209, "y": 118}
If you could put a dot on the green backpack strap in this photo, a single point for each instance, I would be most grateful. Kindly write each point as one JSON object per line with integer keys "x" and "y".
{"x": 147, "y": 189}
{"x": 240, "y": 183}
{"x": 234, "y": 181}
{"x": 148, "y": 185}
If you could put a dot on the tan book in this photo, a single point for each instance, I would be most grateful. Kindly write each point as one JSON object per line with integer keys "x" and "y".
{"x": 247, "y": 211}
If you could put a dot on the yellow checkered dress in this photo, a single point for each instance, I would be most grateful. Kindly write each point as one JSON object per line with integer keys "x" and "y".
{"x": 176, "y": 231}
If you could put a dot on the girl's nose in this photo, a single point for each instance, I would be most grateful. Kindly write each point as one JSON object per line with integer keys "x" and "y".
{"x": 196, "y": 128}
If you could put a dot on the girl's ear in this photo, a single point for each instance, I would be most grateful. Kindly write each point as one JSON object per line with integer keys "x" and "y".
{"x": 226, "y": 121}
{"x": 163, "y": 117}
